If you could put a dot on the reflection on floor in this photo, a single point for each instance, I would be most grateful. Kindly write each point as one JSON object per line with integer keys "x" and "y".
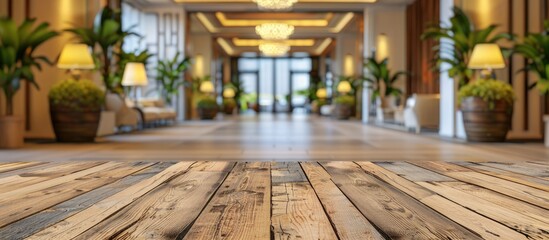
{"x": 275, "y": 177}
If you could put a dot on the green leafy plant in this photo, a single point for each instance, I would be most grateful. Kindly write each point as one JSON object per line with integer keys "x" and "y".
{"x": 489, "y": 90}
{"x": 345, "y": 100}
{"x": 170, "y": 75}
{"x": 18, "y": 56}
{"x": 535, "y": 48}
{"x": 456, "y": 43}
{"x": 76, "y": 95}
{"x": 106, "y": 34}
{"x": 207, "y": 102}
{"x": 379, "y": 76}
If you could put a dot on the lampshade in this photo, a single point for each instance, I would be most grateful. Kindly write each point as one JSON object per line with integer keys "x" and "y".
{"x": 486, "y": 56}
{"x": 228, "y": 93}
{"x": 321, "y": 93}
{"x": 75, "y": 56}
{"x": 207, "y": 87}
{"x": 344, "y": 87}
{"x": 134, "y": 75}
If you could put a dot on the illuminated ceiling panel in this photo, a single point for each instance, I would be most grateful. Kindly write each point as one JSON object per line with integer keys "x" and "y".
{"x": 239, "y": 42}
{"x": 250, "y": 1}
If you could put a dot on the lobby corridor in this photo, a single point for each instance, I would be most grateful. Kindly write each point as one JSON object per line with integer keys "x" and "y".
{"x": 275, "y": 177}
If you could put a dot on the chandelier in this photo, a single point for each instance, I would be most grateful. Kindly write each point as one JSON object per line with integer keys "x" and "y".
{"x": 274, "y": 48}
{"x": 274, "y": 31}
{"x": 275, "y": 4}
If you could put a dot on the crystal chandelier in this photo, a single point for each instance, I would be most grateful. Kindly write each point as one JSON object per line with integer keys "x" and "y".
{"x": 274, "y": 48}
{"x": 275, "y": 4}
{"x": 274, "y": 31}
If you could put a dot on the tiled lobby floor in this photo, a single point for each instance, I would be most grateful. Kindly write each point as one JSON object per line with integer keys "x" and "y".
{"x": 276, "y": 177}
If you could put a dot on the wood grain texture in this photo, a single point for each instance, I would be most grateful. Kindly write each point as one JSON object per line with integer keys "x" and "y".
{"x": 32, "y": 224}
{"x": 6, "y": 167}
{"x": 296, "y": 210}
{"x": 529, "y": 226}
{"x": 522, "y": 168}
{"x": 347, "y": 220}
{"x": 412, "y": 172}
{"x": 512, "y": 189}
{"x": 34, "y": 202}
{"x": 84, "y": 220}
{"x": 485, "y": 227}
{"x": 168, "y": 210}
{"x": 393, "y": 212}
{"x": 240, "y": 209}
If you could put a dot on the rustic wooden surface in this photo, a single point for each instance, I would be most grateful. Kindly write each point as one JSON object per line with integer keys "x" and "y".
{"x": 276, "y": 177}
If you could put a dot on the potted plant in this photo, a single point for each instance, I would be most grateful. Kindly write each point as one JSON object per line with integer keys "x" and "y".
{"x": 487, "y": 107}
{"x": 207, "y": 107}
{"x": 170, "y": 76}
{"x": 343, "y": 106}
{"x": 75, "y": 108}
{"x": 535, "y": 48}
{"x": 382, "y": 82}
{"x": 17, "y": 58}
{"x": 229, "y": 104}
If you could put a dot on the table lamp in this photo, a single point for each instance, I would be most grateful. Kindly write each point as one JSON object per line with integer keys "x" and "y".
{"x": 321, "y": 93}
{"x": 344, "y": 87}
{"x": 135, "y": 76}
{"x": 207, "y": 87}
{"x": 486, "y": 56}
{"x": 75, "y": 57}
{"x": 228, "y": 93}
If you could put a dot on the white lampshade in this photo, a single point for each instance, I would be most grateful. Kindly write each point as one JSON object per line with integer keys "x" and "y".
{"x": 344, "y": 87}
{"x": 135, "y": 75}
{"x": 486, "y": 56}
{"x": 322, "y": 93}
{"x": 228, "y": 93}
{"x": 75, "y": 56}
{"x": 207, "y": 87}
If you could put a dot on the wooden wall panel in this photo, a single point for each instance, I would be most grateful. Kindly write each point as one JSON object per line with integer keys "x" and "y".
{"x": 419, "y": 53}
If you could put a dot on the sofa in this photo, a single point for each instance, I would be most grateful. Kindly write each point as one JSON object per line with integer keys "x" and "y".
{"x": 422, "y": 111}
{"x": 154, "y": 112}
{"x": 124, "y": 115}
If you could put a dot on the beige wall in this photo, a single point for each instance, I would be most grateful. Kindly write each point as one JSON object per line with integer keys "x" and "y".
{"x": 390, "y": 21}
{"x": 527, "y": 112}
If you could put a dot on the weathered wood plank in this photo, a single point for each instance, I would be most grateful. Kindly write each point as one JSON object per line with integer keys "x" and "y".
{"x": 296, "y": 210}
{"x": 484, "y": 227}
{"x": 84, "y": 220}
{"x": 527, "y": 180}
{"x": 512, "y": 189}
{"x": 529, "y": 226}
{"x": 25, "y": 179}
{"x": 32, "y": 224}
{"x": 30, "y": 169}
{"x": 393, "y": 212}
{"x": 34, "y": 202}
{"x": 240, "y": 209}
{"x": 18, "y": 165}
{"x": 413, "y": 173}
{"x": 168, "y": 210}
{"x": 346, "y": 218}
{"x": 285, "y": 172}
{"x": 522, "y": 168}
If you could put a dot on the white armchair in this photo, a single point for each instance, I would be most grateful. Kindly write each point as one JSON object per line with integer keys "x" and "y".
{"x": 422, "y": 110}
{"x": 125, "y": 115}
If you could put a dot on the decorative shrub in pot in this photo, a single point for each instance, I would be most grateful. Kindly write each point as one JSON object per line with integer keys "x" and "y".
{"x": 75, "y": 108}
{"x": 207, "y": 108}
{"x": 343, "y": 107}
{"x": 487, "y": 107}
{"x": 229, "y": 105}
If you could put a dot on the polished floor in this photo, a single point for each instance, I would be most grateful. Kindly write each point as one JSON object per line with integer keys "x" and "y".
{"x": 275, "y": 177}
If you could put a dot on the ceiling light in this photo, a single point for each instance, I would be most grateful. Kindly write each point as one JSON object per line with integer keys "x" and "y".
{"x": 274, "y": 48}
{"x": 275, "y": 4}
{"x": 274, "y": 31}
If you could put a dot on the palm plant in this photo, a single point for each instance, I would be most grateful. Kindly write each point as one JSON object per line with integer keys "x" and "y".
{"x": 18, "y": 57}
{"x": 170, "y": 75}
{"x": 456, "y": 43}
{"x": 106, "y": 34}
{"x": 535, "y": 48}
{"x": 380, "y": 78}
